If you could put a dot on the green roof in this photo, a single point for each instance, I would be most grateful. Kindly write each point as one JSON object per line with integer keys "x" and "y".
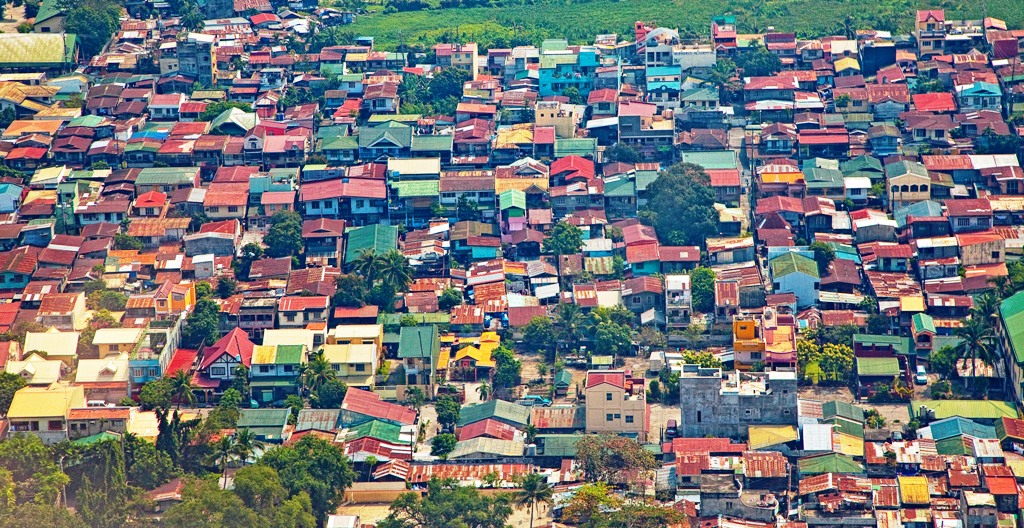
{"x": 622, "y": 188}
{"x": 900, "y": 345}
{"x": 958, "y": 426}
{"x": 389, "y": 133}
{"x": 419, "y": 342}
{"x": 557, "y": 445}
{"x": 48, "y": 9}
{"x": 432, "y": 318}
{"x": 954, "y": 445}
{"x": 861, "y": 164}
{"x": 712, "y": 159}
{"x": 498, "y": 409}
{"x": 166, "y": 176}
{"x": 512, "y": 198}
{"x": 377, "y": 238}
{"x": 377, "y": 429}
{"x": 1011, "y": 311}
{"x": 251, "y": 418}
{"x": 235, "y": 116}
{"x": 288, "y": 355}
{"x": 972, "y": 409}
{"x": 432, "y": 143}
{"x": 575, "y": 147}
{"x": 922, "y": 323}
{"x": 88, "y": 121}
{"x": 817, "y": 177}
{"x": 830, "y": 463}
{"x": 339, "y": 143}
{"x": 878, "y": 366}
{"x": 417, "y": 188}
{"x": 401, "y": 118}
{"x": 845, "y": 426}
{"x": 791, "y": 262}
{"x": 96, "y": 438}
{"x": 563, "y": 378}
{"x": 36, "y": 49}
{"x": 850, "y": 411}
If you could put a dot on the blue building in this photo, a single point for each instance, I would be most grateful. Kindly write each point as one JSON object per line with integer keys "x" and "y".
{"x": 562, "y": 68}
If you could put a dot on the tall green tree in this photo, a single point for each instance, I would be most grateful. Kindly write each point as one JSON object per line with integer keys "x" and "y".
{"x": 681, "y": 206}
{"x": 539, "y": 334}
{"x": 564, "y": 239}
{"x": 534, "y": 489}
{"x": 34, "y": 469}
{"x": 446, "y": 504}
{"x": 101, "y": 499}
{"x": 448, "y": 411}
{"x": 202, "y": 326}
{"x": 442, "y": 445}
{"x": 702, "y": 285}
{"x": 181, "y": 388}
{"x": 284, "y": 238}
{"x": 93, "y": 21}
{"x": 10, "y": 383}
{"x": 976, "y": 343}
{"x": 315, "y": 467}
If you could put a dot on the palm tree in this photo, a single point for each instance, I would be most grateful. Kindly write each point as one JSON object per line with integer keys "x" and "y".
{"x": 181, "y": 388}
{"x": 484, "y": 390}
{"x": 394, "y": 270}
{"x": 531, "y": 433}
{"x": 371, "y": 462}
{"x": 534, "y": 489}
{"x": 367, "y": 264}
{"x": 976, "y": 343}
{"x": 571, "y": 321}
{"x": 223, "y": 452}
{"x": 246, "y": 445}
{"x": 316, "y": 372}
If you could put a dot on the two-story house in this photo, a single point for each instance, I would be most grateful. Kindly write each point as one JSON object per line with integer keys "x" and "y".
{"x": 63, "y": 311}
{"x": 354, "y": 364}
{"x": 616, "y": 404}
{"x": 43, "y": 411}
{"x": 419, "y": 349}
{"x": 298, "y": 311}
{"x": 275, "y": 371}
{"x": 220, "y": 359}
{"x": 969, "y": 214}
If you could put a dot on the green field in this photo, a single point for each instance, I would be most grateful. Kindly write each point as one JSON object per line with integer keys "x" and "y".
{"x": 579, "y": 21}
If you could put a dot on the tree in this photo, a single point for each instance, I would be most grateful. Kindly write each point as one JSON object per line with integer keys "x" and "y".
{"x": 483, "y": 390}
{"x": 156, "y": 394}
{"x": 650, "y": 337}
{"x": 722, "y": 76}
{"x": 943, "y": 361}
{"x": 588, "y": 504}
{"x": 9, "y": 384}
{"x": 94, "y": 22}
{"x": 539, "y": 334}
{"x": 37, "y": 476}
{"x": 976, "y": 338}
{"x": 222, "y": 456}
{"x": 447, "y": 504}
{"x": 101, "y": 499}
{"x": 443, "y": 444}
{"x": 284, "y": 238}
{"x": 215, "y": 109}
{"x": 836, "y": 361}
{"x": 316, "y": 372}
{"x": 36, "y": 514}
{"x": 612, "y": 458}
{"x": 574, "y": 95}
{"x": 758, "y": 62}
{"x": 146, "y": 467}
{"x": 533, "y": 489}
{"x": 623, "y": 153}
{"x": 612, "y": 338}
{"x": 681, "y": 206}
{"x": 450, "y": 298}
{"x": 703, "y": 358}
{"x": 991, "y": 143}
{"x": 202, "y": 325}
{"x": 330, "y": 395}
{"x": 313, "y": 466}
{"x": 260, "y": 488}
{"x": 394, "y": 271}
{"x": 246, "y": 446}
{"x": 205, "y": 505}
{"x": 878, "y": 324}
{"x": 181, "y": 388}
{"x": 350, "y": 291}
{"x": 702, "y": 284}
{"x": 226, "y": 287}
{"x": 295, "y": 404}
{"x": 110, "y": 300}
{"x": 564, "y": 239}
{"x": 448, "y": 411}
{"x": 123, "y": 241}
{"x": 571, "y": 322}
{"x": 824, "y": 254}
{"x": 507, "y": 368}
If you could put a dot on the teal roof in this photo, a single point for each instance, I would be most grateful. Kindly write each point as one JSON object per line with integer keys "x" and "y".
{"x": 96, "y": 438}
{"x": 791, "y": 262}
{"x": 954, "y": 445}
{"x": 557, "y": 445}
{"x": 861, "y": 164}
{"x": 818, "y": 178}
{"x": 563, "y": 378}
{"x": 957, "y": 426}
{"x": 1011, "y": 312}
{"x": 498, "y": 409}
{"x": 48, "y": 9}
{"x": 253, "y": 418}
{"x": 377, "y": 238}
{"x": 512, "y": 198}
{"x": 288, "y": 355}
{"x": 575, "y": 147}
{"x": 419, "y": 342}
{"x": 645, "y": 178}
{"x": 432, "y": 143}
{"x": 830, "y": 463}
{"x": 621, "y": 188}
{"x": 922, "y": 323}
{"x": 972, "y": 409}
{"x": 919, "y": 209}
{"x": 712, "y": 159}
{"x": 850, "y": 411}
{"x": 901, "y": 345}
{"x": 377, "y": 429}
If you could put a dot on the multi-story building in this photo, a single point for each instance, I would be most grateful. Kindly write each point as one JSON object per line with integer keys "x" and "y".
{"x": 930, "y": 32}
{"x": 196, "y": 58}
{"x": 678, "y": 301}
{"x": 718, "y": 405}
{"x": 617, "y": 404}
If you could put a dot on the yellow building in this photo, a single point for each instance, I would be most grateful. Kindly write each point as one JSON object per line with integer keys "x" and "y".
{"x": 747, "y": 342}
{"x": 616, "y": 404}
{"x": 54, "y": 343}
{"x": 44, "y": 411}
{"x": 114, "y": 341}
{"x": 355, "y": 364}
{"x": 357, "y": 335}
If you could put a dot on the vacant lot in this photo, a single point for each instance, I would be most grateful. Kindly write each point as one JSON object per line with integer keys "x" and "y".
{"x": 579, "y": 21}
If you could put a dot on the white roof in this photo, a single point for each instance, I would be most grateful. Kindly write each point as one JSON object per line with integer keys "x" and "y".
{"x": 117, "y": 336}
{"x": 288, "y": 336}
{"x": 36, "y": 370}
{"x": 107, "y": 370}
{"x": 857, "y": 182}
{"x": 818, "y": 437}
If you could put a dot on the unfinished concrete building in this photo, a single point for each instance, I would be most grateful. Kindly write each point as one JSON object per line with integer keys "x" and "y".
{"x": 724, "y": 405}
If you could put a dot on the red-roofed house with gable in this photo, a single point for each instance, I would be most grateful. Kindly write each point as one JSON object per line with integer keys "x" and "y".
{"x": 360, "y": 406}
{"x": 617, "y": 404}
{"x": 220, "y": 360}
{"x": 571, "y": 168}
{"x": 965, "y": 215}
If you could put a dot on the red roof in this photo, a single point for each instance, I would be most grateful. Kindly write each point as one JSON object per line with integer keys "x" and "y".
{"x": 367, "y": 403}
{"x": 573, "y": 167}
{"x": 520, "y": 316}
{"x": 182, "y": 360}
{"x": 345, "y": 312}
{"x": 298, "y": 303}
{"x": 236, "y": 344}
{"x": 679, "y": 253}
{"x": 617, "y": 379}
{"x": 1001, "y": 485}
{"x": 637, "y": 253}
{"x": 151, "y": 199}
{"x": 724, "y": 177}
{"x": 969, "y": 207}
{"x": 490, "y": 428}
{"x": 352, "y": 188}
{"x": 934, "y": 102}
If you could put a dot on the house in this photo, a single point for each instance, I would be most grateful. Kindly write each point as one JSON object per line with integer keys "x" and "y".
{"x": 36, "y": 370}
{"x": 354, "y": 364}
{"x": 104, "y": 380}
{"x": 420, "y": 351}
{"x": 362, "y": 406}
{"x": 55, "y": 344}
{"x": 1010, "y": 333}
{"x": 221, "y": 359}
{"x": 907, "y": 182}
{"x": 300, "y": 311}
{"x": 795, "y": 272}
{"x": 115, "y": 341}
{"x": 275, "y": 370}
{"x": 724, "y": 407}
{"x": 616, "y": 404}
{"x": 965, "y": 215}
{"x": 63, "y": 311}
{"x": 979, "y": 96}
{"x": 89, "y": 421}
{"x": 324, "y": 241}
{"x": 267, "y": 425}
{"x": 44, "y": 411}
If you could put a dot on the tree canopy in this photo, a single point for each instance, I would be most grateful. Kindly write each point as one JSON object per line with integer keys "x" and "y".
{"x": 447, "y": 504}
{"x": 564, "y": 239}
{"x": 284, "y": 238}
{"x": 681, "y": 206}
{"x": 315, "y": 467}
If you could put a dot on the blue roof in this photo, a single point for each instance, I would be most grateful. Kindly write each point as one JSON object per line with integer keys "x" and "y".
{"x": 918, "y": 209}
{"x": 957, "y": 426}
{"x": 150, "y": 134}
{"x": 657, "y": 71}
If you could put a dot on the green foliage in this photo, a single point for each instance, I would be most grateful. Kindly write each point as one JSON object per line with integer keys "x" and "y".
{"x": 612, "y": 338}
{"x": 830, "y": 362}
{"x": 330, "y": 395}
{"x": 33, "y": 467}
{"x": 102, "y": 496}
{"x": 351, "y": 291}
{"x": 295, "y": 403}
{"x": 539, "y": 334}
{"x": 123, "y": 241}
{"x": 450, "y": 298}
{"x": 622, "y": 152}
{"x": 824, "y": 254}
{"x": 94, "y": 22}
{"x": 111, "y": 300}
{"x": 215, "y": 109}
{"x": 146, "y": 467}
{"x": 443, "y": 444}
{"x": 448, "y": 411}
{"x": 205, "y": 505}
{"x": 703, "y": 358}
{"x": 31, "y": 8}
{"x": 612, "y": 458}
{"x": 9, "y": 384}
{"x": 943, "y": 361}
{"x": 448, "y": 504}
{"x": 992, "y": 143}
{"x": 702, "y": 285}
{"x": 758, "y": 62}
{"x": 507, "y": 368}
{"x": 201, "y": 326}
{"x": 436, "y": 96}
{"x": 156, "y": 394}
{"x": 574, "y": 95}
{"x": 681, "y": 206}
{"x": 315, "y": 467}
{"x": 838, "y": 335}
{"x": 284, "y": 238}
{"x": 878, "y": 324}
{"x": 226, "y": 287}
{"x": 564, "y": 239}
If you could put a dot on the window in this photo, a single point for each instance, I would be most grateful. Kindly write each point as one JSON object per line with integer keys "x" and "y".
{"x": 963, "y": 222}
{"x": 218, "y": 371}
{"x": 629, "y": 419}
{"x": 232, "y": 208}
{"x": 995, "y": 254}
{"x": 608, "y": 396}
{"x": 264, "y": 369}
{"x": 289, "y": 368}
{"x": 55, "y": 425}
{"x": 618, "y": 416}
{"x": 136, "y": 373}
{"x": 608, "y": 417}
{"x": 360, "y": 204}
{"x": 360, "y": 367}
{"x": 290, "y": 317}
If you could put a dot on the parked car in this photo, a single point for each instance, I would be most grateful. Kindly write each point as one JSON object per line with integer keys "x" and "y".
{"x": 921, "y": 377}
{"x": 532, "y": 399}
{"x": 671, "y": 429}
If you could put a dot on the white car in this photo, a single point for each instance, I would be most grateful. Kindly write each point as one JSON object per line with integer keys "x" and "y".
{"x": 921, "y": 377}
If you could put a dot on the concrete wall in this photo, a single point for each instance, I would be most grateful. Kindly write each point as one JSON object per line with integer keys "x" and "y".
{"x": 706, "y": 411}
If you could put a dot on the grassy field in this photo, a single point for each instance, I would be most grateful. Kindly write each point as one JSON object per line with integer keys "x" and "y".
{"x": 579, "y": 20}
